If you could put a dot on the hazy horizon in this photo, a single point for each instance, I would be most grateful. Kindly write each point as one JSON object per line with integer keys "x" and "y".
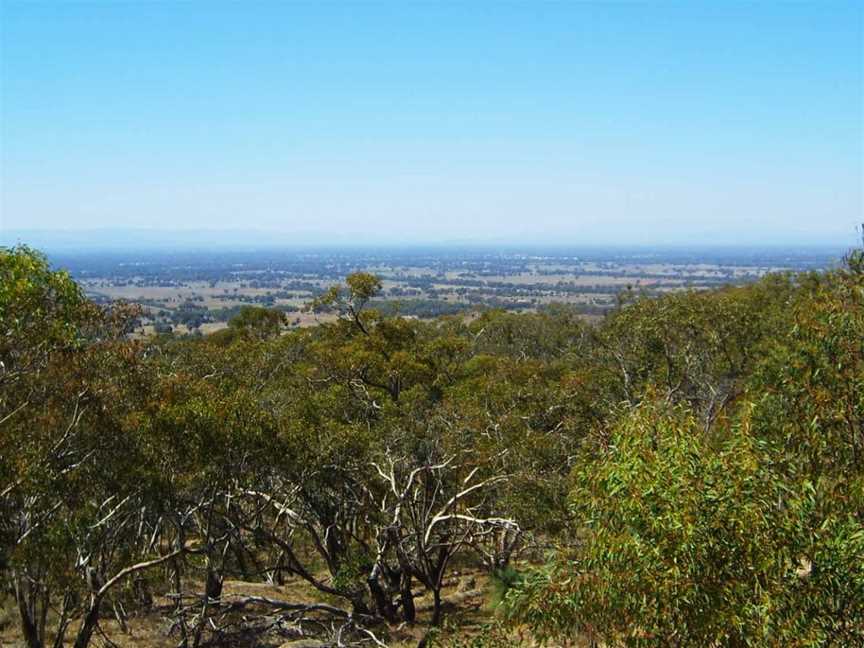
{"x": 120, "y": 239}
{"x": 385, "y": 123}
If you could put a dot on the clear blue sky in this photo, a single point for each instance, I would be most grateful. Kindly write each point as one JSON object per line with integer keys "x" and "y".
{"x": 566, "y": 122}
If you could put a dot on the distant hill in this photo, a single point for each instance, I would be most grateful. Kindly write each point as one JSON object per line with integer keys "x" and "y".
{"x": 139, "y": 238}
{"x": 123, "y": 239}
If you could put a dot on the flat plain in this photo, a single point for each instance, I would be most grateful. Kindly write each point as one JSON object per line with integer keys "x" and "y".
{"x": 199, "y": 291}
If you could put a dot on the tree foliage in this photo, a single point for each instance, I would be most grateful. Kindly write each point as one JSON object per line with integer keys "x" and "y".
{"x": 686, "y": 472}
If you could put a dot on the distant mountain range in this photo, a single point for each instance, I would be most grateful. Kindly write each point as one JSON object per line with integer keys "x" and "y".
{"x": 140, "y": 239}
{"x": 132, "y": 238}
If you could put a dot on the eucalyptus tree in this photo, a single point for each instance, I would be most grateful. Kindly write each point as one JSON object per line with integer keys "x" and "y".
{"x": 74, "y": 483}
{"x": 749, "y": 533}
{"x": 691, "y": 347}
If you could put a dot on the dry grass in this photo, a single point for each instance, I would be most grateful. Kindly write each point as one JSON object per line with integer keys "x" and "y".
{"x": 465, "y": 600}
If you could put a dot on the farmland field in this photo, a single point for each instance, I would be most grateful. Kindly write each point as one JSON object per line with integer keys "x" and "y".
{"x": 192, "y": 291}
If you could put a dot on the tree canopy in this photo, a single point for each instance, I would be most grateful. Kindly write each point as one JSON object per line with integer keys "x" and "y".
{"x": 689, "y": 471}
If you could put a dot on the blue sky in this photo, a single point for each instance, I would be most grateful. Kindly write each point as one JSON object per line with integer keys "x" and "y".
{"x": 648, "y": 122}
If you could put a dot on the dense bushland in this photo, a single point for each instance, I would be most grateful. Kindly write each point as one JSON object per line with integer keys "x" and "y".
{"x": 687, "y": 472}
